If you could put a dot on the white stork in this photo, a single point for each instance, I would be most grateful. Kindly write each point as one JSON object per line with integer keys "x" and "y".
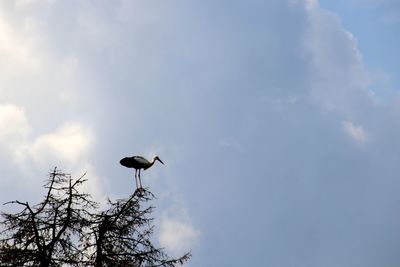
{"x": 138, "y": 163}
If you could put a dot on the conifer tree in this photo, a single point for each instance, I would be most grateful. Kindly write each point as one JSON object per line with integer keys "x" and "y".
{"x": 67, "y": 228}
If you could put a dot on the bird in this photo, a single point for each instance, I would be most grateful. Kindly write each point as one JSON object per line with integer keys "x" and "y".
{"x": 138, "y": 163}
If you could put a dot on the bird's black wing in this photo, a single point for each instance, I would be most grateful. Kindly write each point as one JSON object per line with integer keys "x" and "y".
{"x": 141, "y": 160}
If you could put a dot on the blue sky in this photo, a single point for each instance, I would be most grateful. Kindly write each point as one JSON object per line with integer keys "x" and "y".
{"x": 277, "y": 120}
{"x": 375, "y": 25}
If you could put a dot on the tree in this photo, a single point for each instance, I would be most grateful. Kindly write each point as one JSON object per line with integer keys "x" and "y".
{"x": 68, "y": 229}
{"x": 121, "y": 235}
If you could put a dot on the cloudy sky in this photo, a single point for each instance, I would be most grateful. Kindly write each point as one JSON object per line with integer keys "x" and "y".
{"x": 278, "y": 121}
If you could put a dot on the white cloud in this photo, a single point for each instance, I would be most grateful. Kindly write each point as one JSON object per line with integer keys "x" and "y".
{"x": 37, "y": 67}
{"x": 14, "y": 126}
{"x": 177, "y": 235}
{"x": 112, "y": 52}
{"x": 24, "y": 4}
{"x": 68, "y": 145}
{"x": 308, "y": 4}
{"x": 18, "y": 51}
{"x": 94, "y": 183}
{"x": 354, "y": 131}
{"x": 311, "y": 3}
{"x": 339, "y": 78}
{"x": 43, "y": 89}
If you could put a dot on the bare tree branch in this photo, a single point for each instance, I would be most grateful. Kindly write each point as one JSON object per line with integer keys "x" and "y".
{"x": 68, "y": 229}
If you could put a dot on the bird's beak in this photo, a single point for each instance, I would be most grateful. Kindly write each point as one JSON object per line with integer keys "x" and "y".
{"x": 160, "y": 161}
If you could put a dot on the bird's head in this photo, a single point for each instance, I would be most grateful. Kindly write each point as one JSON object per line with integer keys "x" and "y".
{"x": 157, "y": 158}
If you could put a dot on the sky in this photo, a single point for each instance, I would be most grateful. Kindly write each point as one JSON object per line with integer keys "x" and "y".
{"x": 277, "y": 121}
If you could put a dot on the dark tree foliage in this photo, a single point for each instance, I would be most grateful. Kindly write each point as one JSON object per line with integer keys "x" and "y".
{"x": 43, "y": 234}
{"x": 121, "y": 235}
{"x": 67, "y": 229}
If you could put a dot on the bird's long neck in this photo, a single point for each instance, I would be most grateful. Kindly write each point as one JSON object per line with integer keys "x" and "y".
{"x": 152, "y": 162}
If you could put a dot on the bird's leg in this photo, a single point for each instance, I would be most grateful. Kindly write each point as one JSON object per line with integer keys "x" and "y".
{"x": 140, "y": 180}
{"x": 136, "y": 178}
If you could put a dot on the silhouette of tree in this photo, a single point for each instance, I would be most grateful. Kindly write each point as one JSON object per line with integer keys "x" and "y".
{"x": 121, "y": 235}
{"x": 43, "y": 234}
{"x": 67, "y": 229}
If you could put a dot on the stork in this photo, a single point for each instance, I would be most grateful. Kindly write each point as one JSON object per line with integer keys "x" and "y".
{"x": 138, "y": 163}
